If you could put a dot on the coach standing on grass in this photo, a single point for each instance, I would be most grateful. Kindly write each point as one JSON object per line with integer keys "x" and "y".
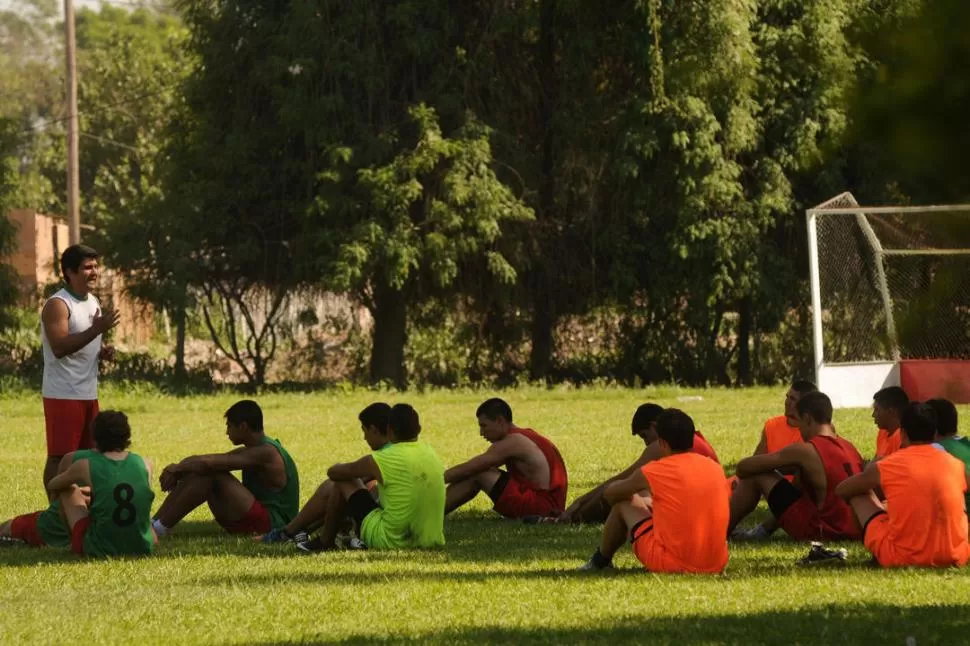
{"x": 72, "y": 323}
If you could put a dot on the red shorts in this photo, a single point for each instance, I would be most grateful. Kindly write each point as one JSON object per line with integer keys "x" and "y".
{"x": 801, "y": 521}
{"x": 25, "y": 528}
{"x": 68, "y": 423}
{"x": 255, "y": 521}
{"x": 77, "y": 535}
{"x": 519, "y": 498}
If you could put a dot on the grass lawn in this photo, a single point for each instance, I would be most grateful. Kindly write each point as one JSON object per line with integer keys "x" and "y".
{"x": 495, "y": 581}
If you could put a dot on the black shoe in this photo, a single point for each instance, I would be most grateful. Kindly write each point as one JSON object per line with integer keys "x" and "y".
{"x": 10, "y": 541}
{"x": 820, "y": 555}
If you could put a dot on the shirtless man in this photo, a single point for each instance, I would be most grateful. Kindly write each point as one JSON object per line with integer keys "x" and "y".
{"x": 534, "y": 481}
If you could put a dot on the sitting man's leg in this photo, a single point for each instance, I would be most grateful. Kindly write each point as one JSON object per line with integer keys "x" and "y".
{"x": 873, "y": 522}
{"x": 233, "y": 505}
{"x": 460, "y": 493}
{"x": 348, "y": 498}
{"x": 629, "y": 518}
{"x": 75, "y": 508}
{"x": 748, "y": 493}
{"x": 310, "y": 517}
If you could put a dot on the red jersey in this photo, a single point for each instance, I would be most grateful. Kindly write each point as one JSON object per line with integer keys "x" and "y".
{"x": 558, "y": 480}
{"x": 840, "y": 460}
{"x": 703, "y": 447}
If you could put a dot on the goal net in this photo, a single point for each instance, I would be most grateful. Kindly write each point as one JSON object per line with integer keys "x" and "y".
{"x": 891, "y": 299}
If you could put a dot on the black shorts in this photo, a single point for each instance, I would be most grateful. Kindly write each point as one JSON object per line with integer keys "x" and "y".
{"x": 360, "y": 504}
{"x": 782, "y": 496}
{"x": 496, "y": 492}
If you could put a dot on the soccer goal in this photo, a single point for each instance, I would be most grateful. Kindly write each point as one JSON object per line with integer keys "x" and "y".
{"x": 890, "y": 299}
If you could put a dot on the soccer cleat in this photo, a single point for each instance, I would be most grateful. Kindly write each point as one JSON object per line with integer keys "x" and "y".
{"x": 310, "y": 545}
{"x": 277, "y": 535}
{"x": 349, "y": 541}
{"x": 756, "y": 533}
{"x": 539, "y": 520}
{"x": 10, "y": 541}
{"x": 821, "y": 555}
{"x": 591, "y": 566}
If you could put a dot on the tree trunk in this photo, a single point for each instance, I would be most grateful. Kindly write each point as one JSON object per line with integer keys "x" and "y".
{"x": 180, "y": 322}
{"x": 543, "y": 316}
{"x": 390, "y": 334}
{"x": 744, "y": 338}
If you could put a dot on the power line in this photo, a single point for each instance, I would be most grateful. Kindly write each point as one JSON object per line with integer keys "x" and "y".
{"x": 46, "y": 122}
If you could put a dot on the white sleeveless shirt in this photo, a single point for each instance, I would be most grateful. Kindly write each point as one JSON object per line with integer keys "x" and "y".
{"x": 73, "y": 376}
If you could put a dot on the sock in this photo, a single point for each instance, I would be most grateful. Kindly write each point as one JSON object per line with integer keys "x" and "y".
{"x": 159, "y": 528}
{"x": 599, "y": 560}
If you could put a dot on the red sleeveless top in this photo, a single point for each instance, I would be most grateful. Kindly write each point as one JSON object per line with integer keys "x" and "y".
{"x": 840, "y": 460}
{"x": 558, "y": 480}
{"x": 703, "y": 447}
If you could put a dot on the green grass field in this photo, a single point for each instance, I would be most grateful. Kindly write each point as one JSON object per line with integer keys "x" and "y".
{"x": 495, "y": 581}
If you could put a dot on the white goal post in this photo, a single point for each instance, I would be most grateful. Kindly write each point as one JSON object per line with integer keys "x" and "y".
{"x": 890, "y": 299}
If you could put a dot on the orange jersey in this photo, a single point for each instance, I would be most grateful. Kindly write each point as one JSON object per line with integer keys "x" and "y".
{"x": 887, "y": 444}
{"x": 690, "y": 515}
{"x": 926, "y": 519}
{"x": 779, "y": 434}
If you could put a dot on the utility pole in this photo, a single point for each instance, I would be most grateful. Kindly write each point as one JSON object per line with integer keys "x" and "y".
{"x": 73, "y": 193}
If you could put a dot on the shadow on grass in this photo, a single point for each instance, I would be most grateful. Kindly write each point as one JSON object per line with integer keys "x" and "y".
{"x": 833, "y": 624}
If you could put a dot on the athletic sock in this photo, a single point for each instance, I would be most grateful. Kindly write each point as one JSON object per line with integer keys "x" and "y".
{"x": 599, "y": 560}
{"x": 159, "y": 528}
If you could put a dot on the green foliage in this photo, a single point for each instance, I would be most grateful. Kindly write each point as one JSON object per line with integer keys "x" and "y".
{"x": 8, "y": 240}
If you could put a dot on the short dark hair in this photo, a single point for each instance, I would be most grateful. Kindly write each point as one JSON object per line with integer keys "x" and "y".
{"x": 404, "y": 421}
{"x": 247, "y": 411}
{"x": 376, "y": 415}
{"x": 803, "y": 386}
{"x": 111, "y": 431}
{"x": 816, "y": 405}
{"x": 676, "y": 428}
{"x": 646, "y": 414}
{"x": 946, "y": 416}
{"x": 494, "y": 408}
{"x": 919, "y": 422}
{"x": 74, "y": 255}
{"x": 892, "y": 397}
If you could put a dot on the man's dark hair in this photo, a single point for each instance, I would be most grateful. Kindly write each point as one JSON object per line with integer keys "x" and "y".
{"x": 919, "y": 422}
{"x": 376, "y": 415}
{"x": 403, "y": 420}
{"x": 494, "y": 408}
{"x": 646, "y": 414}
{"x": 946, "y": 416}
{"x": 111, "y": 431}
{"x": 246, "y": 411}
{"x": 803, "y": 386}
{"x": 676, "y": 428}
{"x": 892, "y": 397}
{"x": 816, "y": 405}
{"x": 74, "y": 255}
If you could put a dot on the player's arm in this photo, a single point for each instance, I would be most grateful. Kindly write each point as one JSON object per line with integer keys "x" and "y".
{"x": 242, "y": 458}
{"x": 762, "y": 447}
{"x": 365, "y": 468}
{"x": 79, "y": 473}
{"x": 652, "y": 452}
{"x": 623, "y": 490}
{"x": 860, "y": 484}
{"x": 496, "y": 455}
{"x": 791, "y": 455}
{"x": 62, "y": 342}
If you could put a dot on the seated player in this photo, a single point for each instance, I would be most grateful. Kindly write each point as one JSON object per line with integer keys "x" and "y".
{"x": 373, "y": 423}
{"x": 887, "y": 409}
{"x": 106, "y": 494}
{"x": 592, "y": 507}
{"x": 946, "y": 433}
{"x": 777, "y": 433}
{"x": 534, "y": 482}
{"x": 410, "y": 487}
{"x": 924, "y": 522}
{"x": 807, "y": 509}
{"x": 268, "y": 496}
{"x": 674, "y": 509}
